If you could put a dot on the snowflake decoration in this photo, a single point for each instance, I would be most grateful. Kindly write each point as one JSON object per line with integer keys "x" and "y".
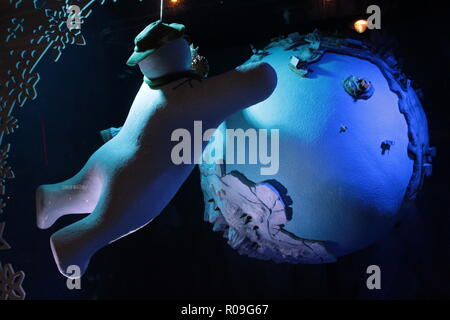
{"x": 11, "y": 283}
{"x": 5, "y": 171}
{"x": 22, "y": 84}
{"x": 38, "y": 4}
{"x": 102, "y": 2}
{"x": 23, "y": 56}
{"x": 7, "y": 122}
{"x": 56, "y": 33}
{"x": 7, "y": 102}
{"x": 17, "y": 3}
{"x": 15, "y": 29}
{"x": 50, "y": 33}
{"x": 3, "y": 244}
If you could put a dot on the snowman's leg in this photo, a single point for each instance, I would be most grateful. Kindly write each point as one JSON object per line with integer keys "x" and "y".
{"x": 116, "y": 215}
{"x": 75, "y": 244}
{"x": 77, "y": 195}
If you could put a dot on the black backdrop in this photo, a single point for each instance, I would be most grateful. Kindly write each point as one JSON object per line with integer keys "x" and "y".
{"x": 178, "y": 256}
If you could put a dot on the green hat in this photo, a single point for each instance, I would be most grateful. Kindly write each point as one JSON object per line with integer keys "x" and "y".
{"x": 154, "y": 36}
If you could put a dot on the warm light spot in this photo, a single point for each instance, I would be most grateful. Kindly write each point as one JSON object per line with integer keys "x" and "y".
{"x": 360, "y": 25}
{"x": 173, "y": 1}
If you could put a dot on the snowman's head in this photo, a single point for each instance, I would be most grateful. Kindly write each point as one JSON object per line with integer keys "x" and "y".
{"x": 161, "y": 49}
{"x": 173, "y": 57}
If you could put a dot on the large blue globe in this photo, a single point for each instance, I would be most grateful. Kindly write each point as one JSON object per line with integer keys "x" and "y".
{"x": 345, "y": 160}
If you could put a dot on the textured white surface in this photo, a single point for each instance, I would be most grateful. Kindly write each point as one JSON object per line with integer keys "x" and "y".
{"x": 344, "y": 190}
{"x": 252, "y": 217}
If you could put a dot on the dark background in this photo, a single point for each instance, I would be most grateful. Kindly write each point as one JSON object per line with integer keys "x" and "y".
{"x": 178, "y": 256}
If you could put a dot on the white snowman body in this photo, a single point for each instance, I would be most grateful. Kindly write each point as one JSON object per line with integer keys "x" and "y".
{"x": 129, "y": 180}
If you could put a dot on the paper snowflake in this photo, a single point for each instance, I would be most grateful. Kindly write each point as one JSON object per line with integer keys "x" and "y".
{"x": 3, "y": 244}
{"x": 56, "y": 33}
{"x": 5, "y": 171}
{"x": 11, "y": 283}
{"x": 17, "y": 26}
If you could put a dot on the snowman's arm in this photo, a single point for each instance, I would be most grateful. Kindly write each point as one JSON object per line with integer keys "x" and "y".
{"x": 228, "y": 93}
{"x": 240, "y": 88}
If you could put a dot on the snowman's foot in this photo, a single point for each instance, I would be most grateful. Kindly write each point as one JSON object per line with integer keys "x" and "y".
{"x": 73, "y": 247}
{"x": 56, "y": 200}
{"x": 75, "y": 244}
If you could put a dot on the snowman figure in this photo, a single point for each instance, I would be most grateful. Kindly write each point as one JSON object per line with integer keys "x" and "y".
{"x": 129, "y": 180}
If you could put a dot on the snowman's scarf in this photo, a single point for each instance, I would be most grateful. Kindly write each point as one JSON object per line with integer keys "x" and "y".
{"x": 190, "y": 75}
{"x": 158, "y": 82}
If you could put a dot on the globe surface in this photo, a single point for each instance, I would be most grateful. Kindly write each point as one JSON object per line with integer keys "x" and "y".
{"x": 344, "y": 166}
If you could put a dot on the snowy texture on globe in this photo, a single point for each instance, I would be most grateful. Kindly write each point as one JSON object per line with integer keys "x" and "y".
{"x": 353, "y": 146}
